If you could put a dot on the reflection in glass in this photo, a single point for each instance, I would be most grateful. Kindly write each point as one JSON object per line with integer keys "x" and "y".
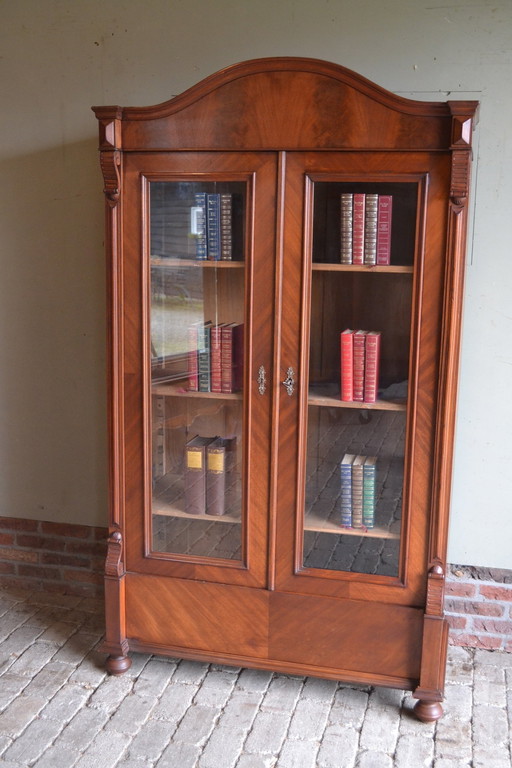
{"x": 196, "y": 329}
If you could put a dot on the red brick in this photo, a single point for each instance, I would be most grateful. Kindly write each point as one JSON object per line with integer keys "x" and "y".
{"x": 496, "y": 593}
{"x": 83, "y": 576}
{"x": 38, "y": 572}
{"x": 52, "y": 558}
{"x": 473, "y": 607}
{"x": 86, "y": 547}
{"x": 19, "y": 555}
{"x": 18, "y": 524}
{"x": 7, "y": 568}
{"x": 7, "y": 539}
{"x": 40, "y": 542}
{"x": 457, "y": 622}
{"x": 508, "y": 646}
{"x": 101, "y": 534}
{"x": 67, "y": 529}
{"x": 460, "y": 589}
{"x": 492, "y": 626}
{"x": 477, "y": 641}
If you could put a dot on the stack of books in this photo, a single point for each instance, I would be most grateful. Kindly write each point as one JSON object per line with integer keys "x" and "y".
{"x": 357, "y": 477}
{"x": 216, "y": 222}
{"x": 209, "y": 465}
{"x": 360, "y": 359}
{"x": 365, "y": 228}
{"x": 215, "y": 357}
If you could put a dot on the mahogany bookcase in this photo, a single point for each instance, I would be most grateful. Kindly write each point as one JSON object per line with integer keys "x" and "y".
{"x": 224, "y": 221}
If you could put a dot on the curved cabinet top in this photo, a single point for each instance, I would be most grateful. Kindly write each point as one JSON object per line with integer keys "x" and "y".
{"x": 287, "y": 104}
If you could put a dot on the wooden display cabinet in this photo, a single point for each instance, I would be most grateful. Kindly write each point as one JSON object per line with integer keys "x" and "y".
{"x": 224, "y": 227}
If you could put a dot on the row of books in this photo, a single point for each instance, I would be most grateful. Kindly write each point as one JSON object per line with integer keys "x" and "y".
{"x": 360, "y": 361}
{"x": 215, "y": 357}
{"x": 216, "y": 222}
{"x": 209, "y": 465}
{"x": 357, "y": 477}
{"x": 365, "y": 228}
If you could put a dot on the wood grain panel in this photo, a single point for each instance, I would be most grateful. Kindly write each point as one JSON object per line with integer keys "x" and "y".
{"x": 209, "y": 617}
{"x": 346, "y": 634}
{"x": 236, "y": 109}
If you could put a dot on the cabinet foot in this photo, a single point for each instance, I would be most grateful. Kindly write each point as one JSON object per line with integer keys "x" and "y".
{"x": 116, "y": 665}
{"x": 428, "y": 711}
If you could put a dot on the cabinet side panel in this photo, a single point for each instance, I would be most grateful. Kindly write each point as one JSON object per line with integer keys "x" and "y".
{"x": 350, "y": 635}
{"x": 207, "y": 617}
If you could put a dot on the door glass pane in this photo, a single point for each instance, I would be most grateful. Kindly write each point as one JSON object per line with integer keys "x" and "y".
{"x": 197, "y": 364}
{"x": 361, "y": 297}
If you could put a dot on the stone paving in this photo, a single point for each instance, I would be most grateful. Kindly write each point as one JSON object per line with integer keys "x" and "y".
{"x": 59, "y": 709}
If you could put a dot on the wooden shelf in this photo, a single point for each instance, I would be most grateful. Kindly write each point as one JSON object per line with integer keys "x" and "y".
{"x": 161, "y": 507}
{"x": 321, "y": 525}
{"x": 157, "y": 261}
{"x": 178, "y": 390}
{"x": 389, "y": 269}
{"x": 317, "y": 396}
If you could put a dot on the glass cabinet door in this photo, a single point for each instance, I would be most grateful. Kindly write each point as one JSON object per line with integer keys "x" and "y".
{"x": 363, "y": 247}
{"x": 197, "y": 339}
{"x": 196, "y": 271}
{"x": 354, "y": 260}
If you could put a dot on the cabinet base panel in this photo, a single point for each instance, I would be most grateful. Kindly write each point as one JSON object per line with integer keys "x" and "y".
{"x": 340, "y": 639}
{"x": 272, "y": 665}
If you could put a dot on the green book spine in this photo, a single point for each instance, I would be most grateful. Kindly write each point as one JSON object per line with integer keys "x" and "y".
{"x": 369, "y": 472}
{"x": 357, "y": 492}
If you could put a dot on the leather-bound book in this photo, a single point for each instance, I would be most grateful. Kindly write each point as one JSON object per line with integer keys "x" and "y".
{"x": 358, "y": 228}
{"x": 384, "y": 217}
{"x": 370, "y": 229}
{"x": 347, "y": 365}
{"x": 357, "y": 491}
{"x": 372, "y": 365}
{"x": 195, "y": 475}
{"x": 346, "y": 228}
{"x": 219, "y": 467}
{"x": 359, "y": 366}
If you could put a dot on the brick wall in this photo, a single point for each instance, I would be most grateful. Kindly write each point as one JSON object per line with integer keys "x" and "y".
{"x": 69, "y": 558}
{"x": 52, "y": 556}
{"x": 478, "y": 606}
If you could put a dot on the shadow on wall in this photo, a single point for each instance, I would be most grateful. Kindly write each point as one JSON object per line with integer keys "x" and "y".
{"x": 52, "y": 296}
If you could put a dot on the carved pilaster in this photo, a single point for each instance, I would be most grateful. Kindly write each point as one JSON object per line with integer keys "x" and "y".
{"x": 114, "y": 563}
{"x": 463, "y": 118}
{"x": 111, "y": 169}
{"x": 459, "y": 188}
{"x": 435, "y": 591}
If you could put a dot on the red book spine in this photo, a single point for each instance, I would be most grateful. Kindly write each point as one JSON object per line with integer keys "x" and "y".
{"x": 232, "y": 353}
{"x": 215, "y": 358}
{"x": 193, "y": 368}
{"x": 359, "y": 365}
{"x": 347, "y": 365}
{"x": 370, "y": 231}
{"x": 227, "y": 359}
{"x": 371, "y": 377}
{"x": 358, "y": 228}
{"x": 238, "y": 357}
{"x": 384, "y": 213}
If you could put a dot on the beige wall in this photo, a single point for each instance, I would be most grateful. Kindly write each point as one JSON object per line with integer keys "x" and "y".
{"x": 59, "y": 57}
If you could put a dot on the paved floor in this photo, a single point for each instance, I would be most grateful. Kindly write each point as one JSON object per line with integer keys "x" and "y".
{"x": 58, "y": 708}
